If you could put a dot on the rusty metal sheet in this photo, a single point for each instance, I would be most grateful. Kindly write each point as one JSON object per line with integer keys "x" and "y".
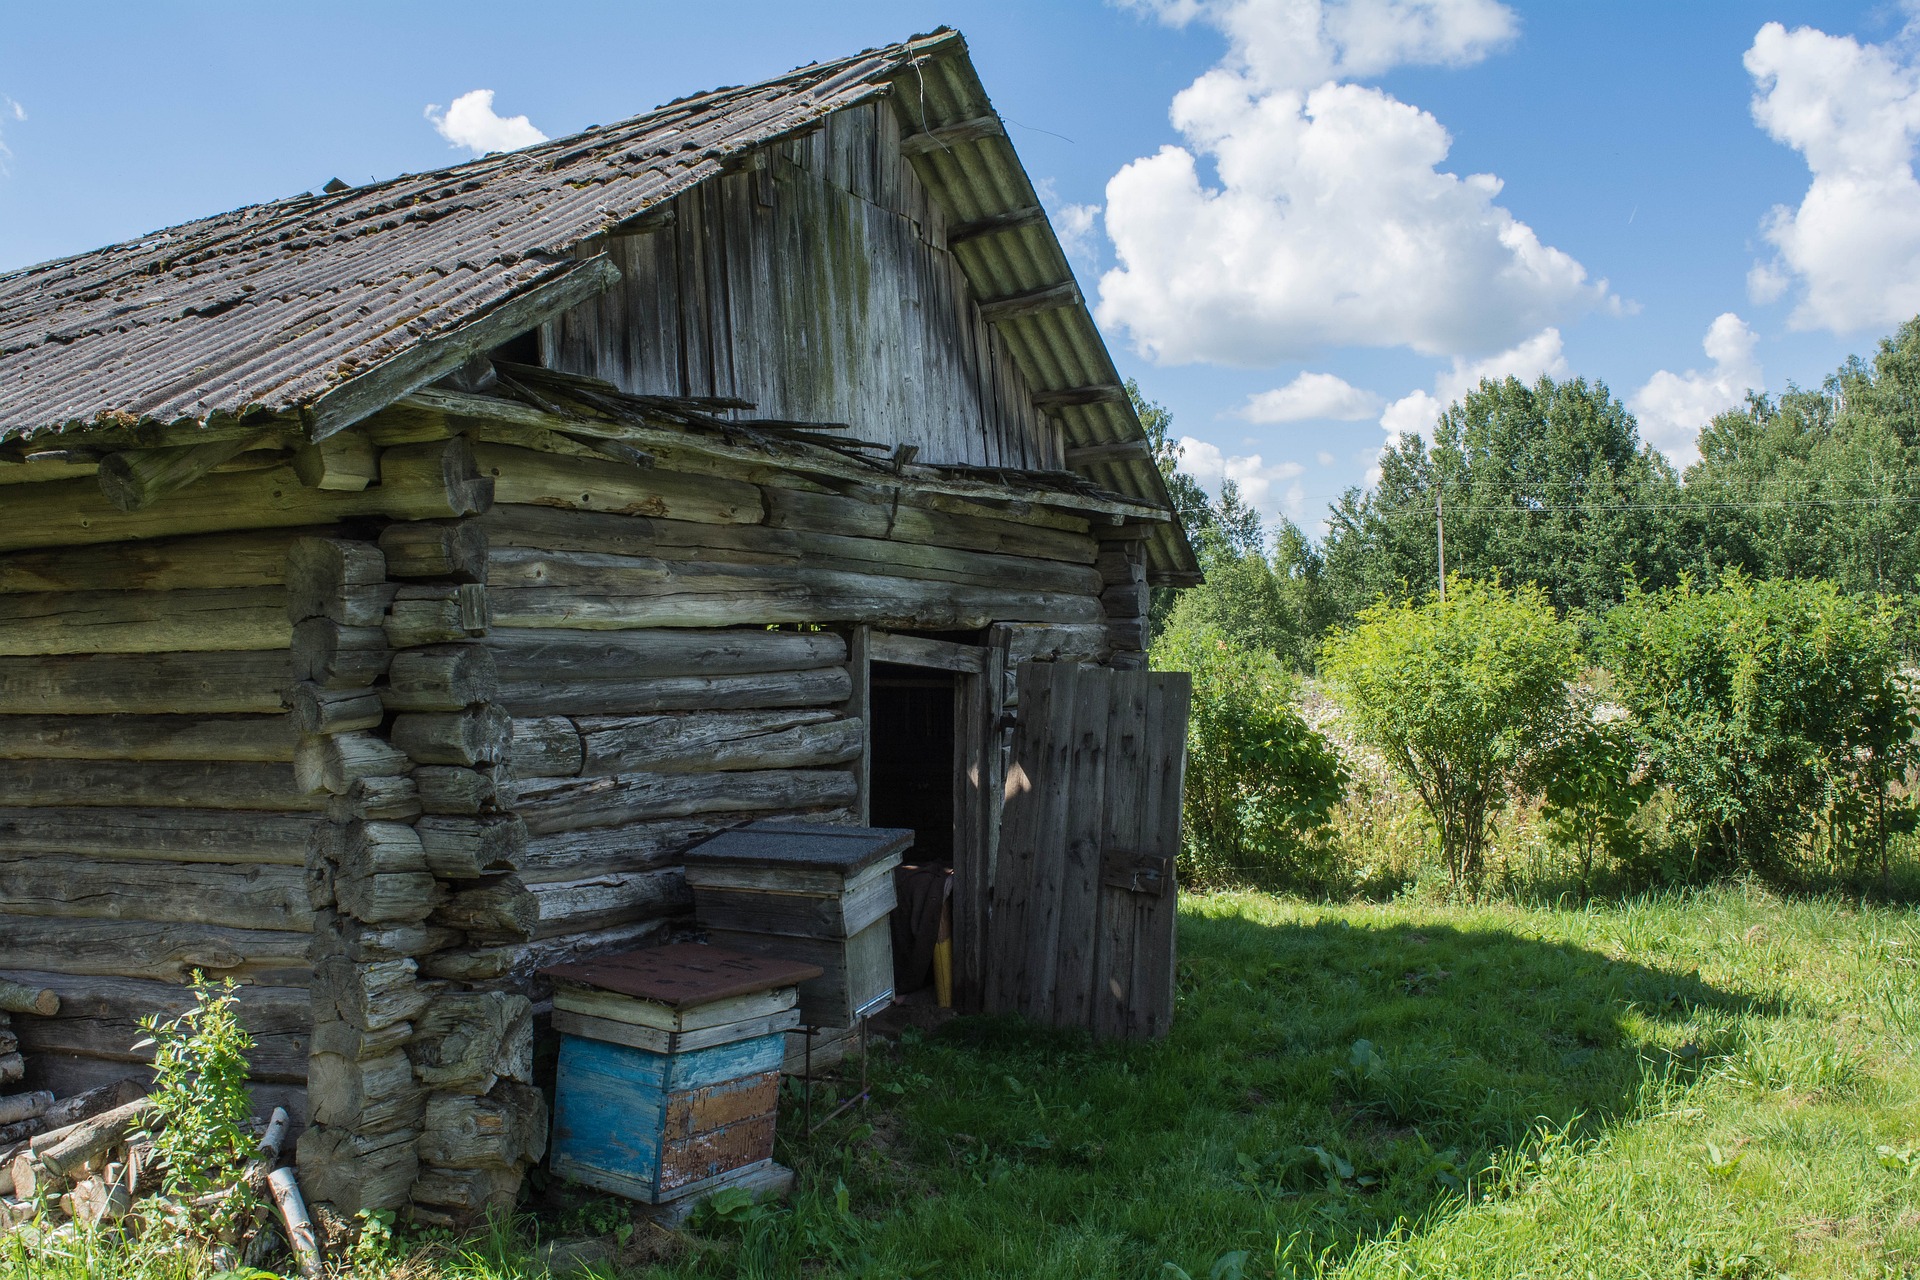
{"x": 684, "y": 974}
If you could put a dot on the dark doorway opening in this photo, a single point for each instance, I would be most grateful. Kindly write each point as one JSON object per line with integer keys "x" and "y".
{"x": 911, "y": 784}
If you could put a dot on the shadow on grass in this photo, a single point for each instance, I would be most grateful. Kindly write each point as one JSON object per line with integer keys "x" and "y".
{"x": 1323, "y": 1083}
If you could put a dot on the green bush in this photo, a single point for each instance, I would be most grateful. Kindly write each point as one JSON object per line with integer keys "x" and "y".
{"x": 1590, "y": 788}
{"x": 1776, "y": 712}
{"x": 205, "y": 1134}
{"x": 1460, "y": 695}
{"x": 1260, "y": 782}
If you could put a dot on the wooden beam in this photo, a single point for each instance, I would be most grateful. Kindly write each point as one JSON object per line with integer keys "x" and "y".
{"x": 1116, "y": 451}
{"x": 1051, "y": 298}
{"x": 913, "y": 651}
{"x": 944, "y": 136}
{"x": 136, "y": 478}
{"x": 994, "y": 223}
{"x": 427, "y": 361}
{"x": 1070, "y": 397}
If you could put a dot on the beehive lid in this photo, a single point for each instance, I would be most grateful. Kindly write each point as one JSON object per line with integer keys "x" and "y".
{"x": 684, "y": 974}
{"x": 810, "y": 845}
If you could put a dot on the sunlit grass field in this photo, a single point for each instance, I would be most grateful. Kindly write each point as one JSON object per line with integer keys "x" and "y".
{"x": 1712, "y": 1084}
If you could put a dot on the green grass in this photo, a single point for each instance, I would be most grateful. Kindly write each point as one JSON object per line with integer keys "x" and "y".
{"x": 1712, "y": 1084}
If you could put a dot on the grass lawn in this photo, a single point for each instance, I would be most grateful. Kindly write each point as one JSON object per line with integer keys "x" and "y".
{"x": 1721, "y": 1084}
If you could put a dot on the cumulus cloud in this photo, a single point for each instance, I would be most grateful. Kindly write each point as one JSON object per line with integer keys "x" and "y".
{"x": 1852, "y": 111}
{"x": 1309, "y": 396}
{"x": 1263, "y": 485}
{"x": 1328, "y": 221}
{"x": 1076, "y": 225}
{"x": 472, "y": 123}
{"x": 1543, "y": 353}
{"x": 1673, "y": 407}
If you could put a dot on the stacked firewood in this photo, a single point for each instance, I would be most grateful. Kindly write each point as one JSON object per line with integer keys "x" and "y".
{"x": 90, "y": 1159}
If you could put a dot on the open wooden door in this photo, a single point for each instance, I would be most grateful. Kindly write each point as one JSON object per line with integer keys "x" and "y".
{"x": 1082, "y": 927}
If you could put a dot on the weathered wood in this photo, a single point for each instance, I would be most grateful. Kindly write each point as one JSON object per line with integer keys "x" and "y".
{"x": 859, "y": 706}
{"x": 493, "y": 911}
{"x": 567, "y": 656}
{"x": 91, "y": 1138}
{"x": 370, "y": 848}
{"x": 504, "y": 1129}
{"x": 258, "y": 739}
{"x": 301, "y": 1238}
{"x": 437, "y": 613}
{"x": 568, "y": 855}
{"x": 458, "y": 848}
{"x": 344, "y": 1040}
{"x": 706, "y": 742}
{"x": 994, "y": 223}
{"x": 100, "y": 1018}
{"x": 347, "y": 463}
{"x": 19, "y": 997}
{"x": 532, "y": 530}
{"x": 337, "y": 657}
{"x": 370, "y": 996}
{"x": 418, "y": 482}
{"x": 137, "y": 478}
{"x": 400, "y": 897}
{"x": 321, "y": 711}
{"x": 546, "y": 747}
{"x": 145, "y": 684}
{"x": 144, "y": 621}
{"x": 1111, "y": 451}
{"x": 24, "y": 1106}
{"x": 1054, "y": 297}
{"x": 820, "y": 687}
{"x": 1074, "y": 397}
{"x": 517, "y": 963}
{"x": 170, "y": 835}
{"x": 942, "y": 137}
{"x": 444, "y": 679}
{"x": 356, "y": 1172}
{"x": 238, "y": 897}
{"x": 167, "y": 950}
{"x": 477, "y": 735}
{"x": 151, "y": 783}
{"x": 587, "y": 591}
{"x": 581, "y": 484}
{"x": 12, "y": 1068}
{"x": 381, "y": 799}
{"x": 74, "y": 1108}
{"x": 221, "y": 561}
{"x": 455, "y": 552}
{"x": 342, "y": 937}
{"x": 837, "y": 514}
{"x": 338, "y": 579}
{"x": 466, "y": 1194}
{"x": 449, "y": 789}
{"x": 376, "y": 1095}
{"x": 609, "y": 899}
{"x": 469, "y": 1040}
{"x": 568, "y": 804}
{"x": 914, "y": 651}
{"x": 335, "y": 762}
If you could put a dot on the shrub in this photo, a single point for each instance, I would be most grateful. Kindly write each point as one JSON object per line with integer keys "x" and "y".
{"x": 1590, "y": 788}
{"x": 1460, "y": 695}
{"x": 1772, "y": 708}
{"x": 205, "y": 1133}
{"x": 1260, "y": 782}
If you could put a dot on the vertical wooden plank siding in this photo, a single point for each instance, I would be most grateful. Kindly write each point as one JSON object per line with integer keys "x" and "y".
{"x": 1086, "y": 823}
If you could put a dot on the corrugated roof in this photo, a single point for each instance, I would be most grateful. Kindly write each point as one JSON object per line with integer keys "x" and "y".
{"x": 272, "y": 307}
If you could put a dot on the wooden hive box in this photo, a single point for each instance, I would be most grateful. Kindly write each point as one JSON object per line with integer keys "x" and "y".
{"x": 810, "y": 892}
{"x": 669, "y": 1074}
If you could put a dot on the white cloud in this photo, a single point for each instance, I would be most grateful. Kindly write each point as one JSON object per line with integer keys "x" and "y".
{"x": 1853, "y": 111}
{"x": 471, "y": 123}
{"x": 1417, "y": 411}
{"x": 1324, "y": 458}
{"x": 1309, "y": 396}
{"x": 1076, "y": 225}
{"x": 1263, "y": 485}
{"x": 1673, "y": 407}
{"x": 1329, "y": 222}
{"x": 9, "y": 110}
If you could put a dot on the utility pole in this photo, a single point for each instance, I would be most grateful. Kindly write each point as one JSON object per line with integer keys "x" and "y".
{"x": 1440, "y": 535}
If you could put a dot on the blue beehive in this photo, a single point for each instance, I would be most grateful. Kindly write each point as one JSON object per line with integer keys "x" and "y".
{"x": 669, "y": 1073}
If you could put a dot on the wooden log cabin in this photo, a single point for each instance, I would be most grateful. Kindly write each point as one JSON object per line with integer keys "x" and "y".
{"x": 394, "y": 581}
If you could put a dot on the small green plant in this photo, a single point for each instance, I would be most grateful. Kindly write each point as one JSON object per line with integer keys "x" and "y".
{"x": 1590, "y": 790}
{"x": 204, "y": 1131}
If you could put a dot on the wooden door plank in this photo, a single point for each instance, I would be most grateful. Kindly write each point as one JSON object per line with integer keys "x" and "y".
{"x": 1151, "y": 1013}
{"x": 1127, "y": 808}
{"x": 1023, "y": 828}
{"x": 1077, "y": 921}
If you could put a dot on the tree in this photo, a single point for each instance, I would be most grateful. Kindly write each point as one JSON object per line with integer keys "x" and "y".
{"x": 1548, "y": 484}
{"x": 1260, "y": 782}
{"x": 1769, "y": 706}
{"x": 1460, "y": 695}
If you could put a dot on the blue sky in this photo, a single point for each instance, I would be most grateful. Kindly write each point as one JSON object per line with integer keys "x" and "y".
{"x": 1312, "y": 228}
